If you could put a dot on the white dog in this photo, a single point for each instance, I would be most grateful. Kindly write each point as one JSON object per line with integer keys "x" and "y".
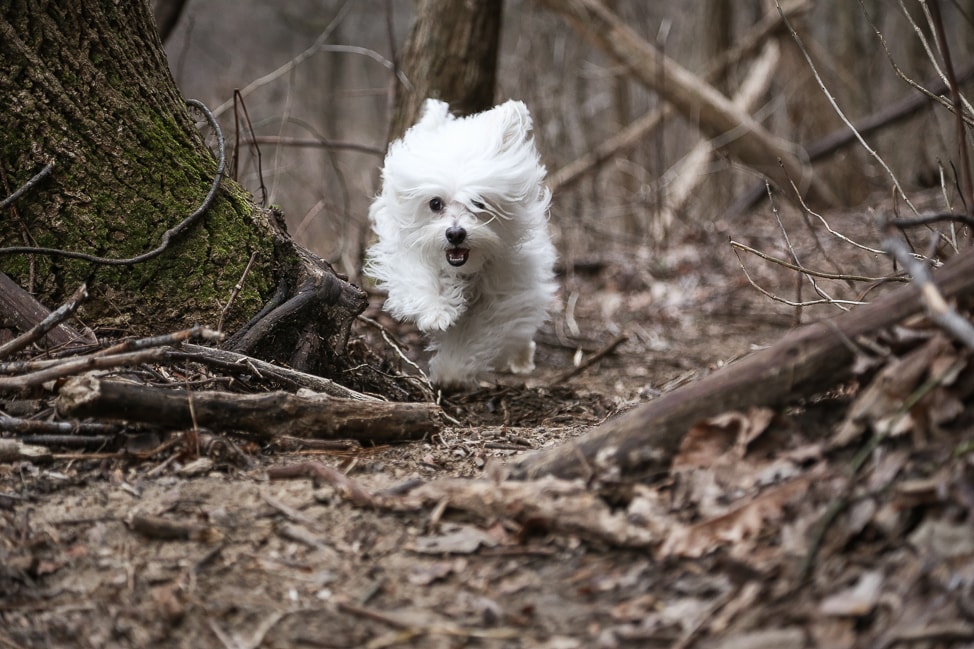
{"x": 463, "y": 247}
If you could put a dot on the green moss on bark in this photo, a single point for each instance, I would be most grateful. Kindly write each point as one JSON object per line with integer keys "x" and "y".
{"x": 86, "y": 84}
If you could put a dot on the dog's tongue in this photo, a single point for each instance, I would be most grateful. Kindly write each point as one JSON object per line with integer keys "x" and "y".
{"x": 457, "y": 256}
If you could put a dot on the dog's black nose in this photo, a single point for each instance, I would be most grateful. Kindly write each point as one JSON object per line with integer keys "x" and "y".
{"x": 456, "y": 235}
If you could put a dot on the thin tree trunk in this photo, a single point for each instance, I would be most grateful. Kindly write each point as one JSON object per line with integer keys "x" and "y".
{"x": 451, "y": 55}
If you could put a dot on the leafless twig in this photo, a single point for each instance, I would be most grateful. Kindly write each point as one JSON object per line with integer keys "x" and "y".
{"x": 838, "y": 111}
{"x": 55, "y": 318}
{"x": 127, "y": 353}
{"x": 316, "y": 143}
{"x": 777, "y": 298}
{"x": 349, "y": 488}
{"x": 80, "y": 365}
{"x": 41, "y": 175}
{"x": 928, "y": 219}
{"x": 937, "y": 308}
{"x": 815, "y": 273}
{"x": 236, "y": 290}
{"x": 590, "y": 361}
{"x": 20, "y": 426}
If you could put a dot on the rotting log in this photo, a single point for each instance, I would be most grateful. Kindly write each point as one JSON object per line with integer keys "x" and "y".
{"x": 805, "y": 361}
{"x": 270, "y": 414}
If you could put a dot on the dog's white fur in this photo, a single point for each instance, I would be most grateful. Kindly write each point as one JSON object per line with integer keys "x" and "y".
{"x": 486, "y": 174}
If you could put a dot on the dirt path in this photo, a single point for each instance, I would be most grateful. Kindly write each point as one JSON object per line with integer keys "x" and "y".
{"x": 158, "y": 551}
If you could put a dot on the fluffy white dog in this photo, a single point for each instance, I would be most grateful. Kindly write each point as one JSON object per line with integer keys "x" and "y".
{"x": 463, "y": 247}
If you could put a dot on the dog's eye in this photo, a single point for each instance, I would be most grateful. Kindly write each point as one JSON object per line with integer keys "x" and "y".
{"x": 436, "y": 204}
{"x": 478, "y": 205}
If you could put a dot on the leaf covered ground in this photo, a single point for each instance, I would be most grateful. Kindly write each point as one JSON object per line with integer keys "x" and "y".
{"x": 844, "y": 520}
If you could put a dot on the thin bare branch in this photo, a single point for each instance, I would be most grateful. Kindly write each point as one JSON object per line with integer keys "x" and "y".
{"x": 26, "y": 187}
{"x": 844, "y": 277}
{"x": 839, "y": 111}
{"x": 778, "y": 298}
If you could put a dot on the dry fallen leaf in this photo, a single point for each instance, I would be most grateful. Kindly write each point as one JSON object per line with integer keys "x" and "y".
{"x": 709, "y": 439}
{"x": 738, "y": 527}
{"x": 856, "y": 601}
{"x": 879, "y": 404}
{"x": 455, "y": 539}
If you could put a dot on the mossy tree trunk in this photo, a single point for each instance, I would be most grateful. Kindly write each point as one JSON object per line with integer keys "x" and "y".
{"x": 86, "y": 85}
{"x": 451, "y": 55}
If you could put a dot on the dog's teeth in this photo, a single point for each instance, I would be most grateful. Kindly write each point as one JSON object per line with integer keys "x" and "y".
{"x": 457, "y": 256}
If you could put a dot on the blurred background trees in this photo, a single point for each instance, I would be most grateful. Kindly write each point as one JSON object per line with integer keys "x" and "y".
{"x": 322, "y": 125}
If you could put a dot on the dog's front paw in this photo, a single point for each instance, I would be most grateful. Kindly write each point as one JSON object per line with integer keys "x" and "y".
{"x": 436, "y": 320}
{"x": 522, "y": 361}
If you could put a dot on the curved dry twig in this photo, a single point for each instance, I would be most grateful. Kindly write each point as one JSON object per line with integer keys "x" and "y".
{"x": 778, "y": 298}
{"x": 169, "y": 234}
{"x": 844, "y": 277}
{"x": 928, "y": 219}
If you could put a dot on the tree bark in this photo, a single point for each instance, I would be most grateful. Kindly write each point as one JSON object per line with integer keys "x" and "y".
{"x": 86, "y": 85}
{"x": 451, "y": 55}
{"x": 644, "y": 440}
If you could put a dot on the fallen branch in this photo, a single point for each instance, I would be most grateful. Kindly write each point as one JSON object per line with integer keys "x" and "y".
{"x": 322, "y": 473}
{"x": 241, "y": 363}
{"x": 156, "y": 527}
{"x": 80, "y": 365}
{"x": 948, "y": 319}
{"x": 590, "y": 361}
{"x": 16, "y": 451}
{"x": 266, "y": 415}
{"x": 548, "y": 504}
{"x": 35, "y": 320}
{"x": 805, "y": 361}
{"x": 20, "y": 426}
{"x": 567, "y": 507}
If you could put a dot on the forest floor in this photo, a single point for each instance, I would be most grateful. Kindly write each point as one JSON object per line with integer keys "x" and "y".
{"x": 762, "y": 534}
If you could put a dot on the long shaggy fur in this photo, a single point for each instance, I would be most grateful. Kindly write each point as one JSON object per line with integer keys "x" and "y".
{"x": 463, "y": 247}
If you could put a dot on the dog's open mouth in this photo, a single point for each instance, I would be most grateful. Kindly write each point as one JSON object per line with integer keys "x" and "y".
{"x": 457, "y": 256}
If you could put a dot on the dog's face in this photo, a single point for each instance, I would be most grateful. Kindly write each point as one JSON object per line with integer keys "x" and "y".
{"x": 462, "y": 191}
{"x": 457, "y": 230}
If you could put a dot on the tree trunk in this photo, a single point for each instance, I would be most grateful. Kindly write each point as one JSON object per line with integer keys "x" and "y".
{"x": 86, "y": 86}
{"x": 451, "y": 55}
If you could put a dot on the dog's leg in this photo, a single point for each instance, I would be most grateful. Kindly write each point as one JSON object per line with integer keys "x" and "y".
{"x": 442, "y": 306}
{"x": 521, "y": 360}
{"x": 416, "y": 292}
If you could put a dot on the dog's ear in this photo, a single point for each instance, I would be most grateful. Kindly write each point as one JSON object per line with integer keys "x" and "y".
{"x": 514, "y": 121}
{"x": 435, "y": 113}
